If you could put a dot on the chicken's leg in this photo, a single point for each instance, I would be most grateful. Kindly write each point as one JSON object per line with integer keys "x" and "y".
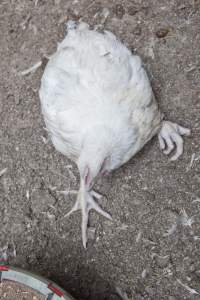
{"x": 170, "y": 136}
{"x": 85, "y": 202}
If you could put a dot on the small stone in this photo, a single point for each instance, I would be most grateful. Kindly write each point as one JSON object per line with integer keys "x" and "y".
{"x": 192, "y": 267}
{"x": 119, "y": 11}
{"x": 144, "y": 273}
{"x": 140, "y": 288}
{"x": 10, "y": 98}
{"x": 162, "y": 32}
{"x": 162, "y": 261}
{"x": 197, "y": 273}
{"x": 150, "y": 291}
{"x": 132, "y": 10}
{"x": 137, "y": 30}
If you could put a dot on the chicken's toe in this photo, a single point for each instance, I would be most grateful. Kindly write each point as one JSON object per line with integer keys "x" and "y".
{"x": 183, "y": 130}
{"x": 170, "y": 136}
{"x": 179, "y": 146}
{"x": 76, "y": 207}
{"x": 84, "y": 226}
{"x": 96, "y": 195}
{"x": 161, "y": 142}
{"x": 85, "y": 203}
{"x": 170, "y": 145}
{"x": 95, "y": 206}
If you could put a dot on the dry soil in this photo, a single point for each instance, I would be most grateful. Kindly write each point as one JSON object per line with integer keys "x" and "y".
{"x": 151, "y": 250}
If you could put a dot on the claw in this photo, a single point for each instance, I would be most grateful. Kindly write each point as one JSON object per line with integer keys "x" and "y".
{"x": 170, "y": 136}
{"x": 85, "y": 203}
{"x": 177, "y": 139}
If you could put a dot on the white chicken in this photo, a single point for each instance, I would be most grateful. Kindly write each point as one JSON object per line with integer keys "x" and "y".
{"x": 100, "y": 110}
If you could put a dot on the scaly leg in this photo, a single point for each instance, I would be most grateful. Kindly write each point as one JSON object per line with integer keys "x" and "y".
{"x": 85, "y": 203}
{"x": 170, "y": 136}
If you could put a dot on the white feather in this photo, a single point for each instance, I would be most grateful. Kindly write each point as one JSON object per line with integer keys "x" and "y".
{"x": 99, "y": 109}
{"x": 93, "y": 86}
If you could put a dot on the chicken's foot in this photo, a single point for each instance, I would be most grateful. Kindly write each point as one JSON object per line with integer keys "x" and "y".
{"x": 85, "y": 202}
{"x": 170, "y": 136}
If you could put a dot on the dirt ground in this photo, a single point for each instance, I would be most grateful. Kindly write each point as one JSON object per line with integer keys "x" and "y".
{"x": 13, "y": 291}
{"x": 151, "y": 250}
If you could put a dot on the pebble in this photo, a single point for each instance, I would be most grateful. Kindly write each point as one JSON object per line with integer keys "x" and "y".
{"x": 150, "y": 291}
{"x": 132, "y": 10}
{"x": 162, "y": 32}
{"x": 119, "y": 11}
{"x": 162, "y": 261}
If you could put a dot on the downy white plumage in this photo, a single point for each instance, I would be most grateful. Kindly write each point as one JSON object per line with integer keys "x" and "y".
{"x": 99, "y": 109}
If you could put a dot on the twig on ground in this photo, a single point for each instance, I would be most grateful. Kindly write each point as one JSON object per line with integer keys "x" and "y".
{"x": 3, "y": 171}
{"x": 189, "y": 289}
{"x": 31, "y": 69}
{"x": 121, "y": 294}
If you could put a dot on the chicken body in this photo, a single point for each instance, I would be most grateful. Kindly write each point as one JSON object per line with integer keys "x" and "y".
{"x": 99, "y": 108}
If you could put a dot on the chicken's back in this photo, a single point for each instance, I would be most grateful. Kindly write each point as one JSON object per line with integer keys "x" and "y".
{"x": 94, "y": 79}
